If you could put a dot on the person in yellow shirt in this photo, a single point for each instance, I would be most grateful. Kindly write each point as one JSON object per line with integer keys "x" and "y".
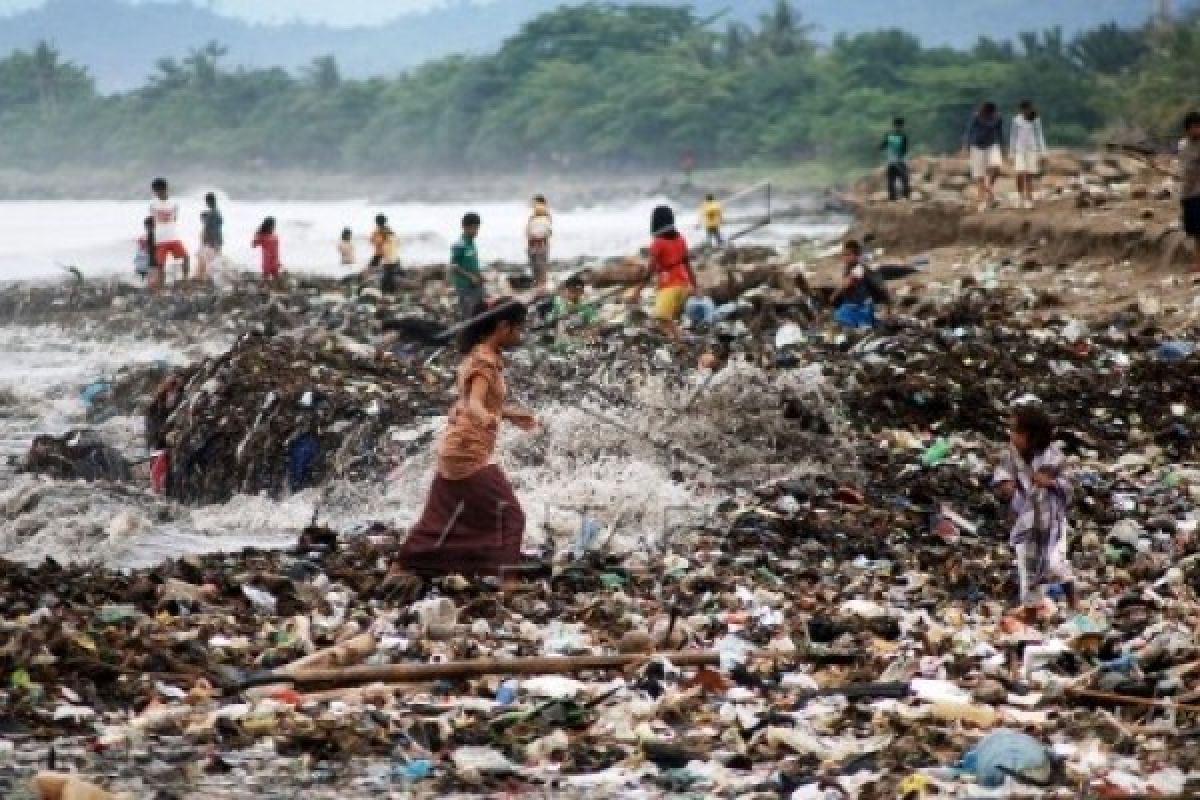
{"x": 386, "y": 255}
{"x": 712, "y": 218}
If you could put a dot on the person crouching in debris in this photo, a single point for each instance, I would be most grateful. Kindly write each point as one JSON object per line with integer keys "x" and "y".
{"x": 569, "y": 307}
{"x": 671, "y": 266}
{"x": 1032, "y": 480}
{"x": 854, "y": 301}
{"x": 472, "y": 521}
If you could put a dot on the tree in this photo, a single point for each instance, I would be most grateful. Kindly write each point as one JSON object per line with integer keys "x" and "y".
{"x": 1109, "y": 49}
{"x": 323, "y": 74}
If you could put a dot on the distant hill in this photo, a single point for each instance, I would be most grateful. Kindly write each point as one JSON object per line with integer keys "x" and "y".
{"x": 120, "y": 43}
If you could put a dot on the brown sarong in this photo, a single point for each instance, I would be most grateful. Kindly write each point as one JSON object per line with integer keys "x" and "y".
{"x": 472, "y": 526}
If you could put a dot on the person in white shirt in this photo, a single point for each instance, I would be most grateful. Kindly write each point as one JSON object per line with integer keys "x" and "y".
{"x": 1027, "y": 145}
{"x": 538, "y": 230}
{"x": 166, "y": 234}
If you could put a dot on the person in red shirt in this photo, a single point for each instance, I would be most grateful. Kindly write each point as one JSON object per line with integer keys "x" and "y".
{"x": 671, "y": 267}
{"x": 269, "y": 242}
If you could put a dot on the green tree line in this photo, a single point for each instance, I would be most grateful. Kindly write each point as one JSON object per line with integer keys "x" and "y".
{"x": 600, "y": 87}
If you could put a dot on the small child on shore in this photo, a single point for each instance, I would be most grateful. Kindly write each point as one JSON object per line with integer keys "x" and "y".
{"x": 346, "y": 248}
{"x": 268, "y": 241}
{"x": 143, "y": 260}
{"x": 1032, "y": 479}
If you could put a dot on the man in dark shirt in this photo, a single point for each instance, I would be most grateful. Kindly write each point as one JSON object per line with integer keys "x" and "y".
{"x": 895, "y": 144}
{"x": 984, "y": 134}
{"x": 854, "y": 301}
{"x": 212, "y": 237}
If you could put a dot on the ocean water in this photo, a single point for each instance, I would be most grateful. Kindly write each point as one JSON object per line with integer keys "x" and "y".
{"x": 39, "y": 239}
{"x": 558, "y": 474}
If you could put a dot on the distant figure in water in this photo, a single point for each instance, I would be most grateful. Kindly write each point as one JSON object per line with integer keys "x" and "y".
{"x": 712, "y": 216}
{"x": 212, "y": 237}
{"x": 143, "y": 260}
{"x": 268, "y": 241}
{"x": 538, "y": 231}
{"x": 166, "y": 234}
{"x": 346, "y": 248}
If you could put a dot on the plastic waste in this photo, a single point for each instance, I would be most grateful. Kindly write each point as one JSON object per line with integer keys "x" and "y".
{"x": 418, "y": 769}
{"x": 262, "y": 600}
{"x": 1004, "y": 751}
{"x": 1174, "y": 350}
{"x": 700, "y": 311}
{"x": 789, "y": 335}
{"x": 936, "y": 453}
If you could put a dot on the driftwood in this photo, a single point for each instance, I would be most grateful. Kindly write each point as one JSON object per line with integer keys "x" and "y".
{"x": 407, "y": 673}
{"x": 351, "y": 651}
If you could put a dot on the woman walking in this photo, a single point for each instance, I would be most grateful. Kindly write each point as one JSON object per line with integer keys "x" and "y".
{"x": 473, "y": 522}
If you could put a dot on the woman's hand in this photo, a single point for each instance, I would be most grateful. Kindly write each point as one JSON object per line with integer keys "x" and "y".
{"x": 523, "y": 418}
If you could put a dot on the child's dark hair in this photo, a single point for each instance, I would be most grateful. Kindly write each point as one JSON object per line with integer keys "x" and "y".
{"x": 471, "y": 220}
{"x": 1191, "y": 120}
{"x": 158, "y": 184}
{"x": 988, "y": 108}
{"x": 1035, "y": 423}
{"x": 487, "y": 316}
{"x": 710, "y": 197}
{"x": 267, "y": 227}
{"x": 898, "y": 122}
{"x": 148, "y": 223}
{"x": 210, "y": 199}
{"x": 852, "y": 246}
{"x": 574, "y": 282}
{"x": 381, "y": 220}
{"x": 539, "y": 198}
{"x": 662, "y": 223}
{"x": 347, "y": 234}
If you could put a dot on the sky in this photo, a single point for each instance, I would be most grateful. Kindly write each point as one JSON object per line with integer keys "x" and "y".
{"x": 332, "y": 12}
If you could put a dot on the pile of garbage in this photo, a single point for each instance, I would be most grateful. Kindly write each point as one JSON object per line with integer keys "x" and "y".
{"x": 840, "y": 625}
{"x": 273, "y": 414}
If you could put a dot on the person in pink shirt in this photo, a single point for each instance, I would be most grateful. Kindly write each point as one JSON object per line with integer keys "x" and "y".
{"x": 268, "y": 240}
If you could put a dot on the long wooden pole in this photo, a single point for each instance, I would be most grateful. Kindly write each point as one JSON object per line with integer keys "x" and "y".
{"x": 474, "y": 668}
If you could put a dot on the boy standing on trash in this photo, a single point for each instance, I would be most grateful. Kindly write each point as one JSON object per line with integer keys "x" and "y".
{"x": 895, "y": 144}
{"x": 465, "y": 274}
{"x": 712, "y": 217}
{"x": 1190, "y": 189}
{"x": 166, "y": 234}
{"x": 1032, "y": 479}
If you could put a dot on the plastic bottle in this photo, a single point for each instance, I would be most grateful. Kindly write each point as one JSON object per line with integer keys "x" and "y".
{"x": 936, "y": 452}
